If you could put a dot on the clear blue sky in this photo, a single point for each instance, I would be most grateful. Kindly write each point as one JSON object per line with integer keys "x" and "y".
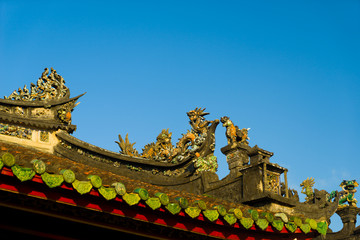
{"x": 288, "y": 70}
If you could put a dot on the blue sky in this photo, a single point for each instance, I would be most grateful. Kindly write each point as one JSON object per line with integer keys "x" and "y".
{"x": 288, "y": 70}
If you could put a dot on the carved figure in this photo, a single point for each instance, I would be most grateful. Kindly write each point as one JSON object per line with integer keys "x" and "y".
{"x": 307, "y": 189}
{"x": 127, "y": 147}
{"x": 189, "y": 144}
{"x": 162, "y": 149}
{"x": 197, "y": 121}
{"x": 149, "y": 151}
{"x": 233, "y": 134}
{"x": 347, "y": 194}
{"x": 163, "y": 145}
{"x": 184, "y": 142}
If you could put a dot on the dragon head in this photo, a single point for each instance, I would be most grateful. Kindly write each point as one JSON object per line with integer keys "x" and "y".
{"x": 226, "y": 121}
{"x": 349, "y": 185}
{"x": 197, "y": 113}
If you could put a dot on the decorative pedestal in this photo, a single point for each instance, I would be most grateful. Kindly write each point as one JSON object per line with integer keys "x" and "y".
{"x": 237, "y": 157}
{"x": 260, "y": 180}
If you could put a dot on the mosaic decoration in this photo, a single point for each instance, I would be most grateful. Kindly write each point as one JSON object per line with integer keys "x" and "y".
{"x": 48, "y": 86}
{"x": 273, "y": 182}
{"x": 15, "y": 131}
{"x": 44, "y": 136}
{"x": 208, "y": 164}
{"x": 64, "y": 113}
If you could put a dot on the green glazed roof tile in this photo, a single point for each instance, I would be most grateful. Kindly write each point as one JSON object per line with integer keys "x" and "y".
{"x": 82, "y": 186}
{"x": 39, "y": 166}
{"x": 193, "y": 210}
{"x": 262, "y": 223}
{"x": 246, "y": 222}
{"x": 23, "y": 174}
{"x": 69, "y": 176}
{"x": 174, "y": 208}
{"x": 52, "y": 180}
{"x": 211, "y": 214}
{"x": 230, "y": 218}
{"x": 8, "y": 159}
{"x": 107, "y": 192}
{"x": 153, "y": 203}
{"x": 131, "y": 198}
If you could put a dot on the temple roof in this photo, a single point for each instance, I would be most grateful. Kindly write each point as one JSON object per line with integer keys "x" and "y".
{"x": 28, "y": 163}
{"x": 178, "y": 180}
{"x": 47, "y": 105}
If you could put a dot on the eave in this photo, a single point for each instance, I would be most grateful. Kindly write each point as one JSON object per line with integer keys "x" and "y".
{"x": 66, "y": 196}
{"x": 94, "y": 201}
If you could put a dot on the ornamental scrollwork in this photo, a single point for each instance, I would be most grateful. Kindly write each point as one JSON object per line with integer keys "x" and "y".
{"x": 48, "y": 86}
{"x": 15, "y": 131}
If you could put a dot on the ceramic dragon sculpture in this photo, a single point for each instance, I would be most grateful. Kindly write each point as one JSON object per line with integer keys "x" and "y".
{"x": 347, "y": 195}
{"x": 233, "y": 134}
{"x": 189, "y": 144}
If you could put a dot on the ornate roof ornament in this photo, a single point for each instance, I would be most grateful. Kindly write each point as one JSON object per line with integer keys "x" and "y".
{"x": 46, "y": 104}
{"x": 199, "y": 142}
{"x": 307, "y": 189}
{"x": 347, "y": 195}
{"x": 48, "y": 87}
{"x": 233, "y": 134}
